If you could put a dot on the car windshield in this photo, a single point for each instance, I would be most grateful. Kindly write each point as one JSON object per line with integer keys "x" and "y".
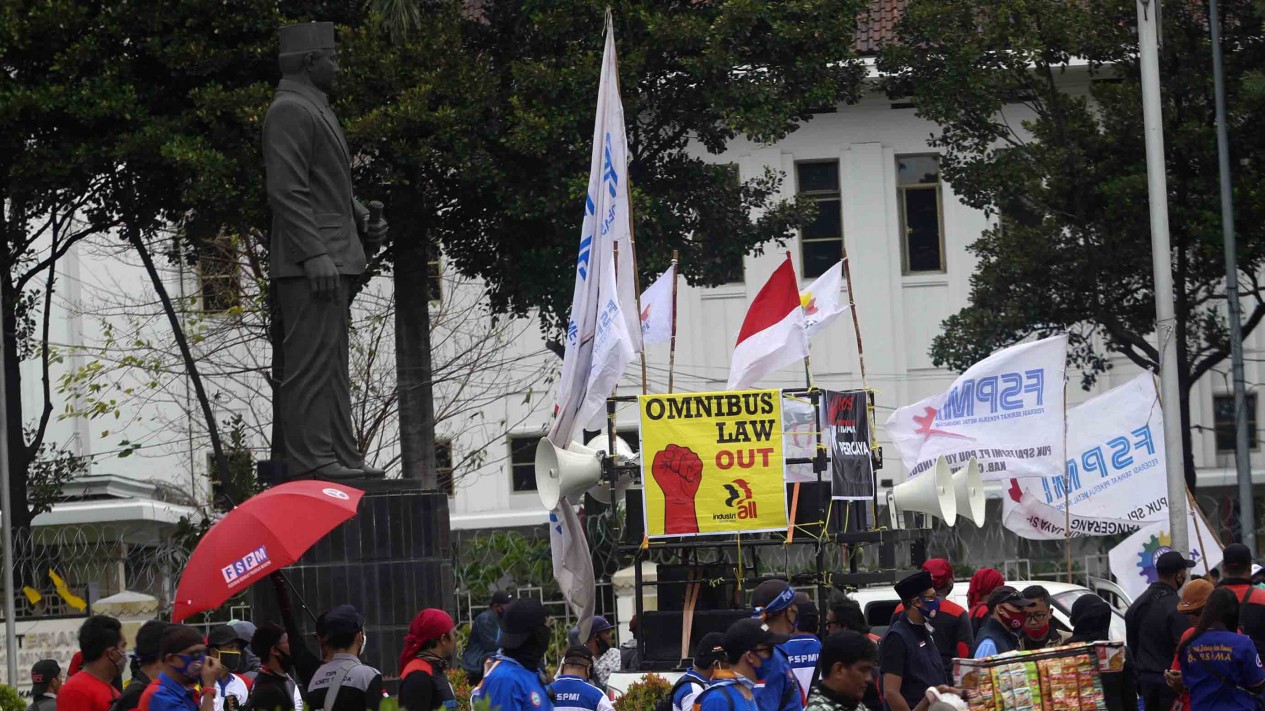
{"x": 1064, "y": 602}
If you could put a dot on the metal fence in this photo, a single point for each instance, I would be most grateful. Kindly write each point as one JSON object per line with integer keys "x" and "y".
{"x": 469, "y": 606}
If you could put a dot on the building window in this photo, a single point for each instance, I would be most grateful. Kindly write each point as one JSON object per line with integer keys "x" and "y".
{"x": 219, "y": 274}
{"x": 443, "y": 465}
{"x": 918, "y": 190}
{"x": 523, "y": 463}
{"x": 732, "y": 266}
{"x": 434, "y": 276}
{"x": 1223, "y": 412}
{"x": 820, "y": 241}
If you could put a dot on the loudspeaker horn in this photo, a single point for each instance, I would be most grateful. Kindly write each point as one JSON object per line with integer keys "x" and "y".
{"x": 969, "y": 488}
{"x": 564, "y": 472}
{"x": 930, "y": 493}
{"x": 623, "y": 454}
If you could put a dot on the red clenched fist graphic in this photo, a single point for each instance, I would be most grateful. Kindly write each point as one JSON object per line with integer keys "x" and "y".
{"x": 678, "y": 471}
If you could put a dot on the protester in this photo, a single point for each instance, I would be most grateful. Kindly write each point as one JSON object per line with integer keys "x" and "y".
{"x": 184, "y": 664}
{"x": 1041, "y": 629}
{"x": 909, "y": 662}
{"x": 146, "y": 663}
{"x": 749, "y": 645}
{"x": 1220, "y": 667}
{"x": 231, "y": 691}
{"x": 1236, "y": 565}
{"x": 774, "y": 602}
{"x": 1153, "y": 627}
{"x": 355, "y": 685}
{"x": 804, "y": 647}
{"x": 983, "y": 583}
{"x": 303, "y": 661}
{"x": 709, "y": 657}
{"x": 483, "y": 633}
{"x": 250, "y": 663}
{"x": 1214, "y": 575}
{"x": 429, "y": 644}
{"x": 45, "y": 682}
{"x": 571, "y": 691}
{"x": 846, "y": 614}
{"x": 1193, "y": 599}
{"x": 953, "y": 632}
{"x": 274, "y": 689}
{"x": 604, "y": 651}
{"x": 1007, "y": 614}
{"x": 629, "y": 654}
{"x": 513, "y": 680}
{"x": 104, "y": 657}
{"x": 848, "y": 661}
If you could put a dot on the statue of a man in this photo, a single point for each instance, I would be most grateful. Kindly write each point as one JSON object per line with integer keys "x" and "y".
{"x": 319, "y": 232}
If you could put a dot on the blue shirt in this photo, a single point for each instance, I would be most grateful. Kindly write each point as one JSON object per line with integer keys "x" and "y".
{"x": 691, "y": 685}
{"x": 726, "y": 695}
{"x": 802, "y": 651}
{"x": 1229, "y": 654}
{"x": 511, "y": 687}
{"x": 171, "y": 695}
{"x": 986, "y": 648}
{"x": 780, "y": 690}
{"x": 573, "y": 693}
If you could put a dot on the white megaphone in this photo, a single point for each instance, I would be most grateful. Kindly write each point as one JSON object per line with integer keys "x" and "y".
{"x": 969, "y": 488}
{"x": 564, "y": 472}
{"x": 623, "y": 454}
{"x": 930, "y": 493}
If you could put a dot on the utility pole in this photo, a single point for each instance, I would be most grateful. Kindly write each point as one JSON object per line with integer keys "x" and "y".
{"x": 1242, "y": 460}
{"x": 1161, "y": 261}
{"x": 6, "y": 513}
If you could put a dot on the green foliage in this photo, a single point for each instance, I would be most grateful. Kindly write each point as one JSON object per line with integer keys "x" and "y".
{"x": 504, "y": 559}
{"x": 242, "y": 482}
{"x": 10, "y": 700}
{"x": 643, "y": 695}
{"x": 1024, "y": 133}
{"x": 54, "y": 466}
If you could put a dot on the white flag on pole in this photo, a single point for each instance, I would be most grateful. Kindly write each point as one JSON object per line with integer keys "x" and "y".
{"x": 1006, "y": 411}
{"x": 1133, "y": 560}
{"x": 572, "y": 566}
{"x": 821, "y": 300}
{"x": 656, "y": 309}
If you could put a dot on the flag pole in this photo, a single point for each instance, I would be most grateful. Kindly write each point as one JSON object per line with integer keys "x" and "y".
{"x": 865, "y": 385}
{"x": 632, "y": 245}
{"x": 1067, "y": 499}
{"x": 672, "y": 342}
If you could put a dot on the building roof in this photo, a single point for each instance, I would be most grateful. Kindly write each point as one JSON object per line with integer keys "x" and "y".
{"x": 878, "y": 26}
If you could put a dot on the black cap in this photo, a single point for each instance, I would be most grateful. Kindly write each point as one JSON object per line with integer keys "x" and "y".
{"x": 745, "y": 635}
{"x": 709, "y": 650}
{"x": 1006, "y": 595}
{"x": 42, "y": 674}
{"x": 809, "y": 618}
{"x": 1235, "y": 555}
{"x": 501, "y": 597}
{"x": 221, "y": 636}
{"x": 1172, "y": 561}
{"x": 578, "y": 655}
{"x": 913, "y": 585}
{"x": 343, "y": 619}
{"x": 520, "y": 620}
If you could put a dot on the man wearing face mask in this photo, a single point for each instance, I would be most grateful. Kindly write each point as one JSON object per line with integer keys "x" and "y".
{"x": 605, "y": 653}
{"x": 1153, "y": 627}
{"x": 428, "y": 646}
{"x": 184, "y": 664}
{"x": 909, "y": 662}
{"x": 709, "y": 657}
{"x": 344, "y": 683}
{"x": 774, "y": 602}
{"x": 749, "y": 646}
{"x": 274, "y": 690}
{"x": 513, "y": 681}
{"x": 1007, "y": 614}
{"x": 231, "y": 690}
{"x": 104, "y": 658}
{"x": 146, "y": 663}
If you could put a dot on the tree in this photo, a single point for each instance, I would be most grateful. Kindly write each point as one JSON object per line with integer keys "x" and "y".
{"x": 1063, "y": 166}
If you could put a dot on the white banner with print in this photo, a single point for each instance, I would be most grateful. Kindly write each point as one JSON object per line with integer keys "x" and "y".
{"x": 1133, "y": 560}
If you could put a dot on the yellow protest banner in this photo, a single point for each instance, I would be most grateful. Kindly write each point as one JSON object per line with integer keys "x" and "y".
{"x": 712, "y": 463}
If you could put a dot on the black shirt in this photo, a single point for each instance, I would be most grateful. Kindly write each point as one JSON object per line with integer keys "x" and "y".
{"x": 422, "y": 691}
{"x": 909, "y": 652}
{"x": 1153, "y": 627}
{"x": 271, "y": 692}
{"x": 131, "y": 696}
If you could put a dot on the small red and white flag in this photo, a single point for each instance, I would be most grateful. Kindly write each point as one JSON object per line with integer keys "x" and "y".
{"x": 772, "y": 335}
{"x": 656, "y": 309}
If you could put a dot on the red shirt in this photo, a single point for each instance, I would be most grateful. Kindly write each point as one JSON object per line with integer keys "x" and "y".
{"x": 85, "y": 692}
{"x": 1177, "y": 666}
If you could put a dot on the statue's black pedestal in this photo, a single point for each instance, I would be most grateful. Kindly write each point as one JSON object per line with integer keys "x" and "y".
{"x": 393, "y": 559}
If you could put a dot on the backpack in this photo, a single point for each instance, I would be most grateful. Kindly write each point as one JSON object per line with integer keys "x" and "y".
{"x": 665, "y": 703}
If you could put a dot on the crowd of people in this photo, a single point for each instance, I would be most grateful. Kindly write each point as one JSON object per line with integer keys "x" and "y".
{"x": 1192, "y": 642}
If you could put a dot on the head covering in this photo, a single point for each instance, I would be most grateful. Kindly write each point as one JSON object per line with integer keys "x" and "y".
{"x": 306, "y": 37}
{"x": 1091, "y": 619}
{"x": 221, "y": 636}
{"x": 709, "y": 650}
{"x": 1171, "y": 562}
{"x": 148, "y": 641}
{"x": 177, "y": 638}
{"x": 427, "y": 625}
{"x": 771, "y": 597}
{"x": 1006, "y": 595}
{"x": 600, "y": 624}
{"x": 245, "y": 630}
{"x": 745, "y": 635}
{"x": 983, "y": 582}
{"x": 1236, "y": 555}
{"x": 1195, "y": 595}
{"x": 501, "y": 597}
{"x": 941, "y": 571}
{"x": 341, "y": 619}
{"x": 520, "y": 620}
{"x": 809, "y": 618}
{"x": 42, "y": 674}
{"x": 578, "y": 655}
{"x": 913, "y": 585}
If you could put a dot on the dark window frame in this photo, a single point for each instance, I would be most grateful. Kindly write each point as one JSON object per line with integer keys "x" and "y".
{"x": 219, "y": 273}
{"x": 902, "y": 191}
{"x": 836, "y": 194}
{"x": 1223, "y": 432}
{"x": 524, "y": 471}
{"x": 443, "y": 466}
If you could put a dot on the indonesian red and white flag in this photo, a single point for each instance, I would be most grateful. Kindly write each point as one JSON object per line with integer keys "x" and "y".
{"x": 657, "y": 312}
{"x": 821, "y": 300}
{"x": 772, "y": 335}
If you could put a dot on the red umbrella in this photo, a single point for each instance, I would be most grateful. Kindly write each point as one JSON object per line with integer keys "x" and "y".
{"x": 263, "y": 535}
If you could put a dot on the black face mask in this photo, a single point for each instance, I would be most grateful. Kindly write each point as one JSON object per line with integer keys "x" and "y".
{"x": 603, "y": 645}
{"x": 531, "y": 652}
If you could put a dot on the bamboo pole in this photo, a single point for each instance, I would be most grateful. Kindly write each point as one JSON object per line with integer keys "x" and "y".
{"x": 676, "y": 273}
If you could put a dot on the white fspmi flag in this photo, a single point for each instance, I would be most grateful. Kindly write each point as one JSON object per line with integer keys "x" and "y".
{"x": 599, "y": 345}
{"x": 1133, "y": 560}
{"x": 1006, "y": 411}
{"x": 572, "y": 566}
{"x": 821, "y": 300}
{"x": 772, "y": 334}
{"x": 656, "y": 309}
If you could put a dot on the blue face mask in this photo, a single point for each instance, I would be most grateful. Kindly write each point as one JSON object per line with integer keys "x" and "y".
{"x": 930, "y": 607}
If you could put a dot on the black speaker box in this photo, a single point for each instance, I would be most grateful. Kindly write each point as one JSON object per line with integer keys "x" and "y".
{"x": 661, "y": 631}
{"x": 634, "y": 519}
{"x": 674, "y": 579}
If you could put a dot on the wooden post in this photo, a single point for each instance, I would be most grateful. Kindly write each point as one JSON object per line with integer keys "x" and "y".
{"x": 676, "y": 274}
